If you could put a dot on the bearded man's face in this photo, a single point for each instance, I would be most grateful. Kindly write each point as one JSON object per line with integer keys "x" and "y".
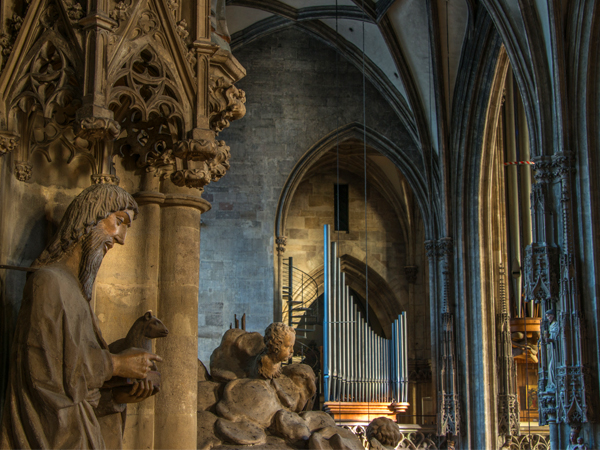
{"x": 95, "y": 245}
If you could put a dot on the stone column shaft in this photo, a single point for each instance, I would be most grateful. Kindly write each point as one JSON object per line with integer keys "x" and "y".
{"x": 175, "y": 415}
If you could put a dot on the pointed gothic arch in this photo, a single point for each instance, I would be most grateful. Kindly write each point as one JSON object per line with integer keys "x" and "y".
{"x": 411, "y": 169}
{"x": 383, "y": 301}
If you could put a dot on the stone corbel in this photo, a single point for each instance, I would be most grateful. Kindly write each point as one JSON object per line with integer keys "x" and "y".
{"x": 23, "y": 170}
{"x": 101, "y": 133}
{"x": 97, "y": 128}
{"x": 161, "y": 164}
{"x": 430, "y": 250}
{"x": 200, "y": 161}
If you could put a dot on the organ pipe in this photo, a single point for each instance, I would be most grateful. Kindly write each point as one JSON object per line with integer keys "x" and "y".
{"x": 359, "y": 365}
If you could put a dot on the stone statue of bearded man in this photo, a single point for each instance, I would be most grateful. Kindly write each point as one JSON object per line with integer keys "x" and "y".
{"x": 59, "y": 360}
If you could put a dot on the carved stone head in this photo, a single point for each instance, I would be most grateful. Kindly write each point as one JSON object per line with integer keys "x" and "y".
{"x": 280, "y": 339}
{"x": 92, "y": 205}
{"x": 96, "y": 218}
{"x": 385, "y": 431}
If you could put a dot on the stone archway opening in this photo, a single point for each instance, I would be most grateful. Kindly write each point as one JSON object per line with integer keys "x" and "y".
{"x": 505, "y": 227}
{"x": 382, "y": 237}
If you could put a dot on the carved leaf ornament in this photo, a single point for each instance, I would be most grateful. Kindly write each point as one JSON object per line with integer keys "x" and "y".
{"x": 226, "y": 103}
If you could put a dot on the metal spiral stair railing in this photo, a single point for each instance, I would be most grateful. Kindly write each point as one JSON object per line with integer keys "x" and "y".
{"x": 299, "y": 292}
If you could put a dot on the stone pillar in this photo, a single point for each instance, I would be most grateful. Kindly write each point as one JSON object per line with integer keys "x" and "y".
{"x": 175, "y": 414}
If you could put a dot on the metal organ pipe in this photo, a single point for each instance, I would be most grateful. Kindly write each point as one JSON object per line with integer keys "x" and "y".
{"x": 359, "y": 365}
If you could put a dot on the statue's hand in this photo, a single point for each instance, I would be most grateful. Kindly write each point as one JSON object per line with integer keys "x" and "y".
{"x": 133, "y": 363}
{"x": 141, "y": 390}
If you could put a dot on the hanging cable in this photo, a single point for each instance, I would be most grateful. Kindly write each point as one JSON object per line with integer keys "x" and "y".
{"x": 364, "y": 112}
{"x": 337, "y": 125}
{"x": 337, "y": 157}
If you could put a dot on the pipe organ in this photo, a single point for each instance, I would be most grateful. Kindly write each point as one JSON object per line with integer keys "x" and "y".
{"x": 365, "y": 375}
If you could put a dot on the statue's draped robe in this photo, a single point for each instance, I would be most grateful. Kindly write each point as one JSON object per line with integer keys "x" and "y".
{"x": 553, "y": 355}
{"x": 59, "y": 362}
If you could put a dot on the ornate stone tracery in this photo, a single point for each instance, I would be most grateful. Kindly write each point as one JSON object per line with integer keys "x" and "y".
{"x": 120, "y": 81}
{"x": 551, "y": 281}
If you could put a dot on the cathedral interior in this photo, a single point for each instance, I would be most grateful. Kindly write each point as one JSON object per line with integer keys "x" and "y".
{"x": 449, "y": 145}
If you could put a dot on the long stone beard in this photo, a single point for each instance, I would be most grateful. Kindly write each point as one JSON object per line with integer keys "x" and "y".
{"x": 92, "y": 254}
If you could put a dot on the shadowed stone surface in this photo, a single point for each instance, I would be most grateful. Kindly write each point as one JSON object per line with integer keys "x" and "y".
{"x": 206, "y": 434}
{"x": 251, "y": 400}
{"x": 290, "y": 426}
{"x": 273, "y": 443}
{"x": 334, "y": 438}
{"x": 241, "y": 433}
{"x": 209, "y": 393}
{"x": 315, "y": 420}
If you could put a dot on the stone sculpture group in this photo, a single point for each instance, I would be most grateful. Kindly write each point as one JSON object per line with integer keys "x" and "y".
{"x": 250, "y": 398}
{"x": 69, "y": 389}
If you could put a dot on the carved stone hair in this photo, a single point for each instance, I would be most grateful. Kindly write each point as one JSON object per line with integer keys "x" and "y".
{"x": 92, "y": 205}
{"x": 385, "y": 431}
{"x": 275, "y": 333}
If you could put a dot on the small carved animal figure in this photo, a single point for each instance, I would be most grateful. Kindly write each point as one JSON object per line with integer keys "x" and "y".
{"x": 140, "y": 335}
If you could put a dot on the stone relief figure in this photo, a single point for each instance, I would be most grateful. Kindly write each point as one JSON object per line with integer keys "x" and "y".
{"x": 250, "y": 398}
{"x": 60, "y": 362}
{"x": 551, "y": 339}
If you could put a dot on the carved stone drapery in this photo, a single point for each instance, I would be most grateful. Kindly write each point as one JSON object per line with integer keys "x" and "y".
{"x": 120, "y": 79}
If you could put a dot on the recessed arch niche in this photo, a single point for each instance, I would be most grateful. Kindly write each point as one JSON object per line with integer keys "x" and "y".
{"x": 388, "y": 257}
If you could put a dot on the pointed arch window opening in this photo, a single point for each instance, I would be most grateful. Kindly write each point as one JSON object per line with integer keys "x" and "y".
{"x": 525, "y": 316}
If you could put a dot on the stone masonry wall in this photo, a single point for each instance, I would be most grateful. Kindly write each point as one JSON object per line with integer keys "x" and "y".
{"x": 313, "y": 206}
{"x": 293, "y": 100}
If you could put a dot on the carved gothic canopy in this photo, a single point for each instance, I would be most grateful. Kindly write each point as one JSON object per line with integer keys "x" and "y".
{"x": 123, "y": 79}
